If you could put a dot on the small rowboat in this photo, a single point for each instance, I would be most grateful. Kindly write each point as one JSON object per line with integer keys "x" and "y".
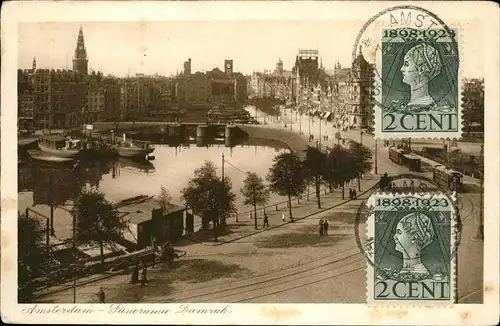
{"x": 47, "y": 157}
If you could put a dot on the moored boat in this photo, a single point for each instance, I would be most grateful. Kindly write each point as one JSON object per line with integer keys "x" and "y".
{"x": 135, "y": 148}
{"x": 59, "y": 146}
{"x": 27, "y": 143}
{"x": 47, "y": 157}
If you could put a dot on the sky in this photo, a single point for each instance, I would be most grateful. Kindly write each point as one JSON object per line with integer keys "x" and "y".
{"x": 121, "y": 48}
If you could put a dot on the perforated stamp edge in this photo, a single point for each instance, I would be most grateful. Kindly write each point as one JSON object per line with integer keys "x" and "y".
{"x": 370, "y": 233}
{"x": 377, "y": 109}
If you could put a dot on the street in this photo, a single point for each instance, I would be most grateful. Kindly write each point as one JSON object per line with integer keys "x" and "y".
{"x": 289, "y": 262}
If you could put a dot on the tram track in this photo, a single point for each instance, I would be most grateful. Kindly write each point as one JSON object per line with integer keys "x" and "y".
{"x": 281, "y": 276}
{"x": 465, "y": 216}
{"x": 367, "y": 193}
{"x": 286, "y": 277}
{"x": 290, "y": 277}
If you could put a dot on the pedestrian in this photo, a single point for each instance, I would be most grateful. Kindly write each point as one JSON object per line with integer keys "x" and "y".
{"x": 325, "y": 227}
{"x": 169, "y": 253}
{"x": 144, "y": 277}
{"x": 350, "y": 193}
{"x": 412, "y": 186}
{"x": 405, "y": 185}
{"x": 283, "y": 217}
{"x": 135, "y": 274}
{"x": 266, "y": 221}
{"x": 249, "y": 215}
{"x": 354, "y": 194}
{"x": 321, "y": 227}
{"x": 101, "y": 295}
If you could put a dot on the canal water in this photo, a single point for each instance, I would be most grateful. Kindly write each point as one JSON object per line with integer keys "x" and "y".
{"x": 123, "y": 178}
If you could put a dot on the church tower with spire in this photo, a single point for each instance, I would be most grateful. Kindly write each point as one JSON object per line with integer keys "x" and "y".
{"x": 80, "y": 60}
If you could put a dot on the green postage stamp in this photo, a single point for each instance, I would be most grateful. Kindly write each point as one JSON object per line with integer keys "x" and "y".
{"x": 420, "y": 95}
{"x": 411, "y": 249}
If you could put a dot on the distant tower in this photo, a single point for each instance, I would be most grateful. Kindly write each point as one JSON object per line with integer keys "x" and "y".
{"x": 279, "y": 66}
{"x": 228, "y": 67}
{"x": 80, "y": 60}
{"x": 34, "y": 64}
{"x": 187, "y": 67}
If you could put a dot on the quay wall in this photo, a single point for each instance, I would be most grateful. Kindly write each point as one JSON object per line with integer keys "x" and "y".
{"x": 290, "y": 139}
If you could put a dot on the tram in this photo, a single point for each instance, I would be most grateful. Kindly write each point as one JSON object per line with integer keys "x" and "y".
{"x": 446, "y": 178}
{"x": 397, "y": 155}
{"x": 403, "y": 157}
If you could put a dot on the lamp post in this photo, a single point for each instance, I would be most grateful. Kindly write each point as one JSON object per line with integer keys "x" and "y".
{"x": 223, "y": 189}
{"x": 309, "y": 119}
{"x": 319, "y": 135}
{"x": 300, "y": 123}
{"x": 74, "y": 263}
{"x": 359, "y": 175}
{"x": 480, "y": 225}
{"x": 376, "y": 172}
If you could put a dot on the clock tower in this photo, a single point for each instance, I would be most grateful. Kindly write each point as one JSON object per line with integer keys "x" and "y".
{"x": 80, "y": 60}
{"x": 228, "y": 67}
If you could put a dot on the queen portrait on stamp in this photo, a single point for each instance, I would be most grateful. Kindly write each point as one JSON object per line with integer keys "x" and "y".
{"x": 414, "y": 232}
{"x": 421, "y": 64}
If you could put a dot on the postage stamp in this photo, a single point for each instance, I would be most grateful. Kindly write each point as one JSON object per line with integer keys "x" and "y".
{"x": 419, "y": 81}
{"x": 415, "y": 57}
{"x": 412, "y": 249}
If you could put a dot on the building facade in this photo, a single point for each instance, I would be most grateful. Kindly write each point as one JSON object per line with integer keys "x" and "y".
{"x": 311, "y": 85}
{"x": 353, "y": 94}
{"x": 276, "y": 84}
{"x": 59, "y": 97}
{"x": 215, "y": 87}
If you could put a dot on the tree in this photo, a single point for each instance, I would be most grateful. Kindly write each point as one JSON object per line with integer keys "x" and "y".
{"x": 473, "y": 104}
{"x": 209, "y": 196}
{"x": 360, "y": 158}
{"x": 319, "y": 169}
{"x": 288, "y": 177}
{"x": 32, "y": 254}
{"x": 164, "y": 200}
{"x": 342, "y": 170}
{"x": 96, "y": 220}
{"x": 255, "y": 192}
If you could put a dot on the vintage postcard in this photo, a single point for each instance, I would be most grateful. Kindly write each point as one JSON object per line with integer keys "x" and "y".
{"x": 240, "y": 162}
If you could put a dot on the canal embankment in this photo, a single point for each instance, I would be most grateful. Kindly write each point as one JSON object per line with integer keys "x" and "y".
{"x": 289, "y": 139}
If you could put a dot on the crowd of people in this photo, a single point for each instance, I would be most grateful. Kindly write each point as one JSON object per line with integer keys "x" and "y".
{"x": 387, "y": 184}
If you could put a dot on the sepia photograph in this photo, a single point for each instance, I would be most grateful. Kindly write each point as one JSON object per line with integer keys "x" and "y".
{"x": 190, "y": 161}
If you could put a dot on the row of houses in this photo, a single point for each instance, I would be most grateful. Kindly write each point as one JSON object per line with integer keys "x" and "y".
{"x": 60, "y": 99}
{"x": 346, "y": 93}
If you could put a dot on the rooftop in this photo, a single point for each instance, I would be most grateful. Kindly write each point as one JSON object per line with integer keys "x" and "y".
{"x": 140, "y": 211}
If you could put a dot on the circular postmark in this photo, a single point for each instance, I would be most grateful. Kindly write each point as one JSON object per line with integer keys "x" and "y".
{"x": 403, "y": 35}
{"x": 364, "y": 213}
